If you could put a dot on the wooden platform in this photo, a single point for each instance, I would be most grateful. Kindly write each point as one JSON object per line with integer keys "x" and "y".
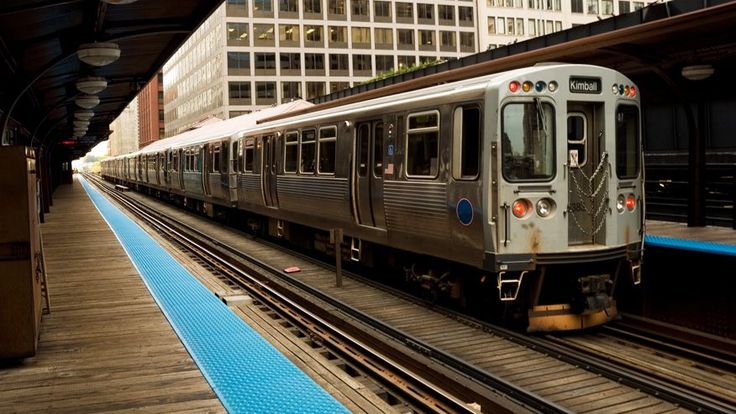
{"x": 712, "y": 234}
{"x": 105, "y": 346}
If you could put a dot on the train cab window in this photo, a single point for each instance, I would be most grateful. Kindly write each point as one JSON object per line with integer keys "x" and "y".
{"x": 378, "y": 149}
{"x": 577, "y": 139}
{"x": 327, "y": 141}
{"x": 307, "y": 151}
{"x": 215, "y": 159}
{"x": 291, "y": 151}
{"x": 627, "y": 141}
{"x": 248, "y": 151}
{"x": 528, "y": 141}
{"x": 466, "y": 143}
{"x": 364, "y": 136}
{"x": 422, "y": 144}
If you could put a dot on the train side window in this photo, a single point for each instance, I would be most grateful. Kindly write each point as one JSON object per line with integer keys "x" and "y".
{"x": 215, "y": 158}
{"x": 291, "y": 151}
{"x": 326, "y": 151}
{"x": 378, "y": 149}
{"x": 223, "y": 157}
{"x": 577, "y": 139}
{"x": 466, "y": 143}
{"x": 174, "y": 162}
{"x": 364, "y": 134}
{"x": 308, "y": 140}
{"x": 248, "y": 159}
{"x": 423, "y": 144}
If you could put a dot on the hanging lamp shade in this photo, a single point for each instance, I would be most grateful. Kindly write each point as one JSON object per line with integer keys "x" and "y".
{"x": 91, "y": 85}
{"x": 87, "y": 101}
{"x": 83, "y": 115}
{"x": 98, "y": 54}
{"x": 81, "y": 124}
{"x": 697, "y": 72}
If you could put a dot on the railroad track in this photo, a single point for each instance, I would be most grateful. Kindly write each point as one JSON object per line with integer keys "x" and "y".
{"x": 546, "y": 365}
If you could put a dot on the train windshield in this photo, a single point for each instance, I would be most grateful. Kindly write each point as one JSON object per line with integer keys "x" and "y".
{"x": 627, "y": 141}
{"x": 528, "y": 141}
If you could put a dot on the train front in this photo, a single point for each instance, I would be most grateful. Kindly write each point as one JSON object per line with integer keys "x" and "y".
{"x": 567, "y": 190}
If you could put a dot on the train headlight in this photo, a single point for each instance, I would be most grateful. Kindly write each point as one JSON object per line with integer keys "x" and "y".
{"x": 520, "y": 208}
{"x": 620, "y": 203}
{"x": 545, "y": 207}
{"x": 630, "y": 202}
{"x": 552, "y": 86}
{"x": 615, "y": 89}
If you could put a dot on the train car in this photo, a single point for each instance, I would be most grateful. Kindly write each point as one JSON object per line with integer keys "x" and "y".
{"x": 528, "y": 180}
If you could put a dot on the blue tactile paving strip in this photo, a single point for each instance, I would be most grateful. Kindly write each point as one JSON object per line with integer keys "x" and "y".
{"x": 247, "y": 373}
{"x": 697, "y": 246}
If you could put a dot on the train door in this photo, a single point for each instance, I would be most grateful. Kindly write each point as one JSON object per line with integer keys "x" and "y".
{"x": 588, "y": 173}
{"x": 207, "y": 162}
{"x": 268, "y": 170}
{"x": 368, "y": 173}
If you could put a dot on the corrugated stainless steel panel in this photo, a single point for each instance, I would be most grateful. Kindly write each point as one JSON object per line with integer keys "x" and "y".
{"x": 320, "y": 196}
{"x": 416, "y": 208}
{"x": 250, "y": 183}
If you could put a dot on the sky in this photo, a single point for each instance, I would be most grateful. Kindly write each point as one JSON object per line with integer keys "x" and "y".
{"x": 101, "y": 149}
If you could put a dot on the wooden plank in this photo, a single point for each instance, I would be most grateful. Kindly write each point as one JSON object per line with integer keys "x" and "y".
{"x": 106, "y": 346}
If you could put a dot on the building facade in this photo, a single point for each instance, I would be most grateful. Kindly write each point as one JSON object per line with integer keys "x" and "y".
{"x": 151, "y": 111}
{"x": 502, "y": 22}
{"x": 124, "y": 136}
{"x": 255, "y": 53}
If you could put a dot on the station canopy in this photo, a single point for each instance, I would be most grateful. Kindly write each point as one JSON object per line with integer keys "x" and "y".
{"x": 40, "y": 66}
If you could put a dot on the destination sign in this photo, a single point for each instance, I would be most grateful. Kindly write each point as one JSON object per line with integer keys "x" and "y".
{"x": 579, "y": 84}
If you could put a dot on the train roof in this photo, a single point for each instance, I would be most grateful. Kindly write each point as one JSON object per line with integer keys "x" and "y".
{"x": 222, "y": 129}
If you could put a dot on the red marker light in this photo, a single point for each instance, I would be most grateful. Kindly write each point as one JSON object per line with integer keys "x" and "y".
{"x": 520, "y": 208}
{"x": 632, "y": 91}
{"x": 514, "y": 86}
{"x": 68, "y": 142}
{"x": 630, "y": 202}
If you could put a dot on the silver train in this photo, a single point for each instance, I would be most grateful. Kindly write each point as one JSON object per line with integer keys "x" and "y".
{"x": 528, "y": 181}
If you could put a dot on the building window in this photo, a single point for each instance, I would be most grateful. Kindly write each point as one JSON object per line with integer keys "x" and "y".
{"x": 265, "y": 60}
{"x": 520, "y": 27}
{"x": 291, "y": 151}
{"x": 637, "y": 5}
{"x": 501, "y": 25}
{"x": 624, "y": 7}
{"x": 266, "y": 90}
{"x": 359, "y": 8}
{"x": 467, "y": 40}
{"x": 465, "y": 14}
{"x": 306, "y": 149}
{"x": 446, "y": 13}
{"x": 291, "y": 61}
{"x": 314, "y": 61}
{"x": 336, "y": 7}
{"x": 338, "y": 34}
{"x": 382, "y": 9}
{"x": 426, "y": 38}
{"x": 327, "y": 141}
{"x": 404, "y": 10}
{"x": 313, "y": 6}
{"x": 362, "y": 63}
{"x": 405, "y": 37}
{"x": 361, "y": 35}
{"x": 338, "y": 62}
{"x": 532, "y": 28}
{"x": 288, "y": 33}
{"x": 422, "y": 144}
{"x": 238, "y": 61}
{"x": 447, "y": 40}
{"x": 406, "y": 61}
{"x": 313, "y": 34}
{"x": 239, "y": 91}
{"x": 607, "y": 6}
{"x": 291, "y": 91}
{"x": 237, "y": 32}
{"x": 592, "y": 6}
{"x": 425, "y": 11}
{"x": 384, "y": 38}
{"x": 510, "y": 26}
{"x": 161, "y": 115}
{"x": 491, "y": 25}
{"x": 384, "y": 63}
{"x": 288, "y": 6}
{"x": 338, "y": 86}
{"x": 263, "y": 33}
{"x": 315, "y": 89}
{"x": 265, "y": 6}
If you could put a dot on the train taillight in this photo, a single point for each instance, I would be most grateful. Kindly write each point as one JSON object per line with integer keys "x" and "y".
{"x": 520, "y": 208}
{"x": 630, "y": 202}
{"x": 514, "y": 86}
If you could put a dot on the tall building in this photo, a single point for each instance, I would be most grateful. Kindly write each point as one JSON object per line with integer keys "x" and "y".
{"x": 509, "y": 21}
{"x": 252, "y": 54}
{"x": 124, "y": 135}
{"x": 151, "y": 111}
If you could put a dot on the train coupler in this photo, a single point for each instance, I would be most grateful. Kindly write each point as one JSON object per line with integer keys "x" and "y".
{"x": 508, "y": 286}
{"x": 562, "y": 317}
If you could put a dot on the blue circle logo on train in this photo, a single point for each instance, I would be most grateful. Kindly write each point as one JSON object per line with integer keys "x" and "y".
{"x": 464, "y": 211}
